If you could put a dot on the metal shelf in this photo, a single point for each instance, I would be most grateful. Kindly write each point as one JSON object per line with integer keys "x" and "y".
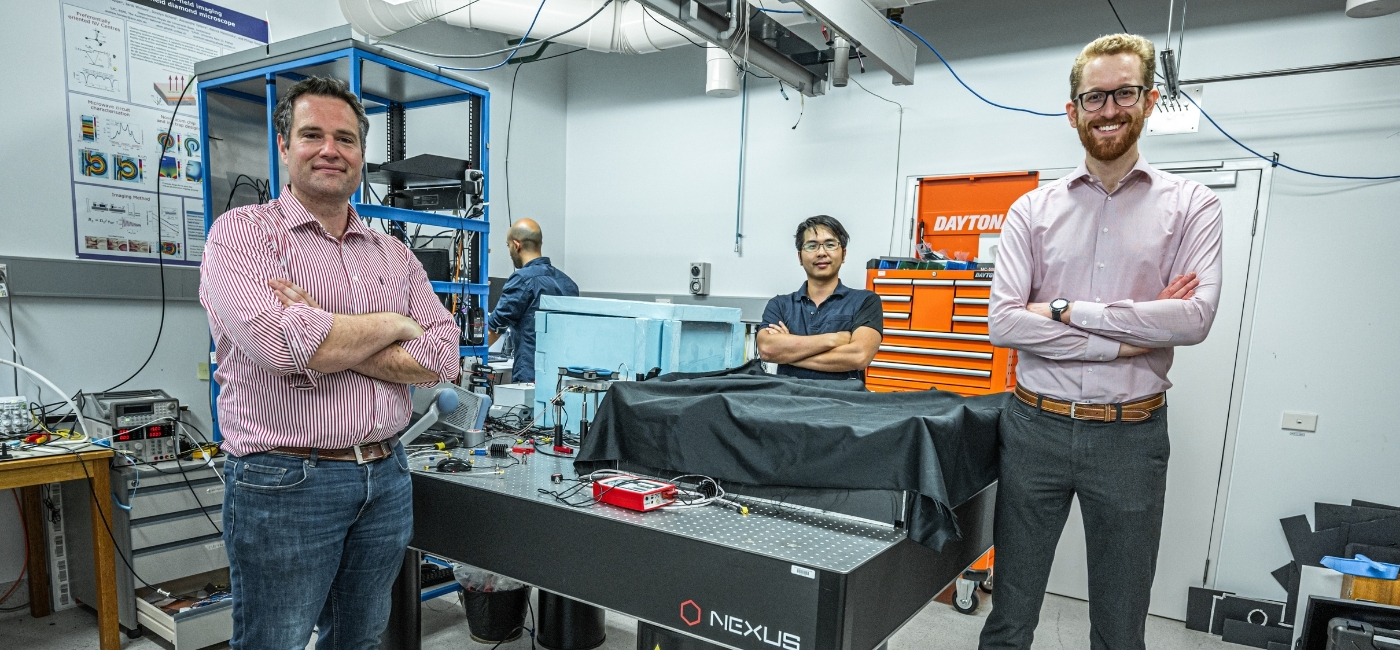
{"x": 426, "y": 218}
{"x": 461, "y": 288}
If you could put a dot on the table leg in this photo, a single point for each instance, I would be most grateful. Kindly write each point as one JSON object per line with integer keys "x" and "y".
{"x": 104, "y": 556}
{"x": 405, "y": 629}
{"x": 33, "y": 501}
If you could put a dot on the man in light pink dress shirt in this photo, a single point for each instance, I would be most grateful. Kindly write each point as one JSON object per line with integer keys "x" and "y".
{"x": 1099, "y": 275}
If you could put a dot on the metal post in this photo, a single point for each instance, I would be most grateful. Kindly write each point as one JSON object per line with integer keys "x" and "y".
{"x": 405, "y": 629}
{"x": 274, "y": 183}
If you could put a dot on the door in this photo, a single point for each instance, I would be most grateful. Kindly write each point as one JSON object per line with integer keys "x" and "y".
{"x": 1203, "y": 383}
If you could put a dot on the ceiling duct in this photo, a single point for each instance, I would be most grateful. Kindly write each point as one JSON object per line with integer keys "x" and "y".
{"x": 787, "y": 41}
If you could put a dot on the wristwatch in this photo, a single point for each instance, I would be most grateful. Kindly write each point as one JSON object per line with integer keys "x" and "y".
{"x": 1057, "y": 307}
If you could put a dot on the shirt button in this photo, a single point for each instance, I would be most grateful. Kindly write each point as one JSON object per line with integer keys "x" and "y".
{"x": 1084, "y": 322}
{"x": 1105, "y": 230}
{"x": 1091, "y": 369}
{"x": 1101, "y": 263}
{"x": 1098, "y": 299}
{"x": 357, "y": 278}
{"x": 1111, "y": 198}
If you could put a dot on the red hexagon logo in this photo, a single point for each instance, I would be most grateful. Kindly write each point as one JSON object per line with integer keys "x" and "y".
{"x": 689, "y": 607}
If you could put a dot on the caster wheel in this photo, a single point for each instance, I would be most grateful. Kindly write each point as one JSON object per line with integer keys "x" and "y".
{"x": 985, "y": 586}
{"x": 134, "y": 633}
{"x": 968, "y": 606}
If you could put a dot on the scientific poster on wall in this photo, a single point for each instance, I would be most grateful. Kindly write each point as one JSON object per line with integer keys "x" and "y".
{"x": 127, "y": 65}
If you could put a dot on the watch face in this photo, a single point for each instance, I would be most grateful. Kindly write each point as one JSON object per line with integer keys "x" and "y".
{"x": 1059, "y": 303}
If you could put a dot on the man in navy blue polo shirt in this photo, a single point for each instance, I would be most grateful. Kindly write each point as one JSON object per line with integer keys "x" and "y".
{"x": 825, "y": 329}
{"x": 520, "y": 297}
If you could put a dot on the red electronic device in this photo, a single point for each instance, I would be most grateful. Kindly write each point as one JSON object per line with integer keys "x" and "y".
{"x": 634, "y": 492}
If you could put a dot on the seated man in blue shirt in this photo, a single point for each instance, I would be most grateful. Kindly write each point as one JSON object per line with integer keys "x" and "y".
{"x": 520, "y": 297}
{"x": 824, "y": 330}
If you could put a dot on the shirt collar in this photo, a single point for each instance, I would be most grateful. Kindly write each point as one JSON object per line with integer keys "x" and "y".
{"x": 542, "y": 261}
{"x": 840, "y": 291}
{"x": 297, "y": 215}
{"x": 1081, "y": 173}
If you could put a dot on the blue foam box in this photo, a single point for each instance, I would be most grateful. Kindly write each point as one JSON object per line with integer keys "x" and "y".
{"x": 629, "y": 337}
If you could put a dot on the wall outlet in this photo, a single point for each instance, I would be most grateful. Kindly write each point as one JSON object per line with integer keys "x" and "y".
{"x": 1299, "y": 421}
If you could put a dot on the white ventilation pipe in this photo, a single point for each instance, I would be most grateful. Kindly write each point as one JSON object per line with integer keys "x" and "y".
{"x": 624, "y": 26}
{"x": 721, "y": 73}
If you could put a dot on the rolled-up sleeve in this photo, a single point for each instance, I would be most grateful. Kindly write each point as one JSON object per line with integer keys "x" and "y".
{"x": 1011, "y": 325}
{"x": 437, "y": 349}
{"x": 1171, "y": 322}
{"x": 238, "y": 262}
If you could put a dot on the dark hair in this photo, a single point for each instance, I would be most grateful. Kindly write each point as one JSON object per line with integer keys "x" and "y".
{"x": 822, "y": 221}
{"x": 322, "y": 87}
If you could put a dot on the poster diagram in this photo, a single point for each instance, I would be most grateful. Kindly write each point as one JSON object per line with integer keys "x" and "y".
{"x": 95, "y": 47}
{"x": 133, "y": 122}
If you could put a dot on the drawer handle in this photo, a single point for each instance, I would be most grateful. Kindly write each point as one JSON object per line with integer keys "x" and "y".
{"x": 895, "y": 298}
{"x": 896, "y": 315}
{"x": 933, "y": 283}
{"x": 957, "y": 336}
{"x": 962, "y": 354}
{"x": 969, "y": 319}
{"x": 974, "y": 283}
{"x": 893, "y": 281}
{"x": 938, "y": 369}
{"x": 971, "y": 301}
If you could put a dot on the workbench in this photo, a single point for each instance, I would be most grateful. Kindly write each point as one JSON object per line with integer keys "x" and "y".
{"x": 783, "y": 576}
{"x": 42, "y": 465}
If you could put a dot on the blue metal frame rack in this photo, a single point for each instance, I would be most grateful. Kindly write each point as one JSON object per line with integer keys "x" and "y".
{"x": 380, "y": 78}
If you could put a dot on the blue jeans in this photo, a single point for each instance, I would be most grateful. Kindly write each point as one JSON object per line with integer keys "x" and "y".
{"x": 314, "y": 543}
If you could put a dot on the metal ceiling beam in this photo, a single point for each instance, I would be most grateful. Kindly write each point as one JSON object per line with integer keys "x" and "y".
{"x": 862, "y": 25}
{"x": 708, "y": 24}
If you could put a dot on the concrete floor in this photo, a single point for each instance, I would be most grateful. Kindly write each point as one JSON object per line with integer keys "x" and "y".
{"x": 1064, "y": 626}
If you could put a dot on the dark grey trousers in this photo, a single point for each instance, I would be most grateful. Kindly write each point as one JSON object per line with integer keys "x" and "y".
{"x": 1119, "y": 471}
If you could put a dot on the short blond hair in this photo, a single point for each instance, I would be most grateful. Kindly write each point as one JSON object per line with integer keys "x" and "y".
{"x": 1115, "y": 44}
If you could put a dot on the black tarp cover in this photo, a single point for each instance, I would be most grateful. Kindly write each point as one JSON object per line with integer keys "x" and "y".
{"x": 742, "y": 426}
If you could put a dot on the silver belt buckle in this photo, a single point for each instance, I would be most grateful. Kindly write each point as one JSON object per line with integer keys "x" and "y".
{"x": 360, "y": 456}
{"x": 1072, "y": 406}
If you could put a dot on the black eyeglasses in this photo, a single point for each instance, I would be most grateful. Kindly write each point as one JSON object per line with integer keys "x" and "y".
{"x": 1125, "y": 97}
{"x": 828, "y": 245}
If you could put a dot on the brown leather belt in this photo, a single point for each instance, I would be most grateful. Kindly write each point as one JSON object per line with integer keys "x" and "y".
{"x": 361, "y": 454}
{"x": 1125, "y": 412}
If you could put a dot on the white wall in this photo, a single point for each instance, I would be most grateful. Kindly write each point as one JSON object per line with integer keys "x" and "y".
{"x": 92, "y": 344}
{"x": 651, "y": 186}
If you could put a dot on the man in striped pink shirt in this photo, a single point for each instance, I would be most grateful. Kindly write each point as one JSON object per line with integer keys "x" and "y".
{"x": 320, "y": 325}
{"x": 1099, "y": 275}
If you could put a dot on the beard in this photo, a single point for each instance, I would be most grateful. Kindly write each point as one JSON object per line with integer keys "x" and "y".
{"x": 1112, "y": 148}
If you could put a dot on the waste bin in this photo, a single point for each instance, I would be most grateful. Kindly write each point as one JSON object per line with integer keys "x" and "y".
{"x": 496, "y": 616}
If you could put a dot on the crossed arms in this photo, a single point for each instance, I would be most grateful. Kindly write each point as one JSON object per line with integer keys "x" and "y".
{"x": 834, "y": 352}
{"x": 363, "y": 343}
{"x": 284, "y": 331}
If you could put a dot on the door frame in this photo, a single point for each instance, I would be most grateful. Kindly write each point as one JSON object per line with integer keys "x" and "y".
{"x": 1251, "y": 289}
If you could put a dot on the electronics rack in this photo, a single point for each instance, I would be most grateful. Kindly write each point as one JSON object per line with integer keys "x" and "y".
{"x": 237, "y": 94}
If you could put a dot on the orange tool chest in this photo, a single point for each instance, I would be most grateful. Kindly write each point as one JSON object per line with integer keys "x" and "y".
{"x": 936, "y": 318}
{"x": 936, "y": 334}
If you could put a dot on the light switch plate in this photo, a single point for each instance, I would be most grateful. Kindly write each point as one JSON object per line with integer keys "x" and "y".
{"x": 1299, "y": 421}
